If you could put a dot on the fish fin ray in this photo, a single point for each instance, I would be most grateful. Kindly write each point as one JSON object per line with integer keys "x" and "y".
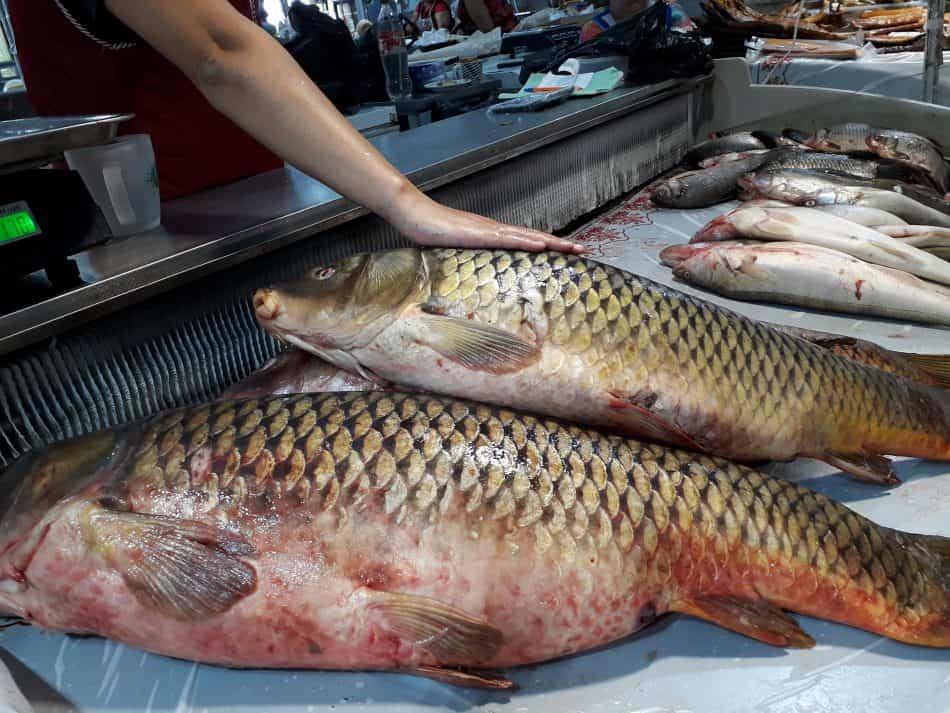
{"x": 936, "y": 366}
{"x": 450, "y": 634}
{"x": 463, "y": 678}
{"x": 646, "y": 423}
{"x": 478, "y": 346}
{"x": 756, "y": 619}
{"x": 777, "y": 224}
{"x": 185, "y": 569}
{"x": 863, "y": 466}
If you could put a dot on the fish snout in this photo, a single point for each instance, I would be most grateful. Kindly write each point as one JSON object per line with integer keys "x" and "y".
{"x": 267, "y": 306}
{"x": 884, "y": 146}
{"x": 663, "y": 194}
{"x": 675, "y": 255}
{"x": 720, "y": 228}
{"x": 747, "y": 182}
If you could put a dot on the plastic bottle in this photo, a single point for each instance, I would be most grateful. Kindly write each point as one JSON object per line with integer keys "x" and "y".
{"x": 393, "y": 52}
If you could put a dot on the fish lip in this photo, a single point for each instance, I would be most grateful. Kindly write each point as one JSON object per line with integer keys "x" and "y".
{"x": 267, "y": 305}
{"x": 746, "y": 181}
{"x": 716, "y": 229}
{"x": 675, "y": 255}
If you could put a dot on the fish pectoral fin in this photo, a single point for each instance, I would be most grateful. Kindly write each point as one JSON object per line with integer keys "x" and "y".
{"x": 756, "y": 619}
{"x": 185, "y": 569}
{"x": 777, "y": 224}
{"x": 642, "y": 421}
{"x": 935, "y": 365}
{"x": 478, "y": 346}
{"x": 863, "y": 466}
{"x": 464, "y": 678}
{"x": 449, "y": 634}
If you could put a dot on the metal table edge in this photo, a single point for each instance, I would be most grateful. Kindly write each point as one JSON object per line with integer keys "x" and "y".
{"x": 45, "y": 319}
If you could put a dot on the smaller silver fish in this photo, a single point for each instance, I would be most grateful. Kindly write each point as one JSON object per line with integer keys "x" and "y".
{"x": 840, "y": 164}
{"x": 850, "y": 137}
{"x": 809, "y": 276}
{"x": 295, "y": 371}
{"x": 812, "y": 189}
{"x": 911, "y": 150}
{"x": 869, "y": 217}
{"x": 709, "y": 186}
{"x": 730, "y": 143}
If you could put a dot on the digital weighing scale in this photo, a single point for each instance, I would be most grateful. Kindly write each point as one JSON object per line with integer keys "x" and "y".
{"x": 46, "y": 213}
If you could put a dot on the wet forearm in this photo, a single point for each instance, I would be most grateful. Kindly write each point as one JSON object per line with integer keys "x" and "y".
{"x": 251, "y": 79}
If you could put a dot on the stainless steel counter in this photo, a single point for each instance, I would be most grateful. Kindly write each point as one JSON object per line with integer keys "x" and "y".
{"x": 212, "y": 230}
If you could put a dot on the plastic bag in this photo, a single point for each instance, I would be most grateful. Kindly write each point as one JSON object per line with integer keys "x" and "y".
{"x": 656, "y": 51}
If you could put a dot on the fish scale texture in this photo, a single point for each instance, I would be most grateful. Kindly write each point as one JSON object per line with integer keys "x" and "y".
{"x": 676, "y": 522}
{"x": 738, "y": 385}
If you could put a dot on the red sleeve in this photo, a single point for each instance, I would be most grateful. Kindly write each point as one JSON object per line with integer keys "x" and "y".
{"x": 440, "y": 7}
{"x": 589, "y": 31}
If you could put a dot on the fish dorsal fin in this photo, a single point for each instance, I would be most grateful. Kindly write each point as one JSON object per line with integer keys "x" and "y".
{"x": 871, "y": 468}
{"x": 477, "y": 346}
{"x": 450, "y": 634}
{"x": 185, "y": 569}
{"x": 756, "y": 619}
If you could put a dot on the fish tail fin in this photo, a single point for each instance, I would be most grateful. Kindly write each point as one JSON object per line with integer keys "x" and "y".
{"x": 936, "y": 366}
{"x": 933, "y": 624}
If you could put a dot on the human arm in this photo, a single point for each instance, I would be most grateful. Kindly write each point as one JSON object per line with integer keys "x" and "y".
{"x": 250, "y": 78}
{"x": 479, "y": 14}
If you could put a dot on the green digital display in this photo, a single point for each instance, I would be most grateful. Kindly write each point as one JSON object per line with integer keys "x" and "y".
{"x": 17, "y": 224}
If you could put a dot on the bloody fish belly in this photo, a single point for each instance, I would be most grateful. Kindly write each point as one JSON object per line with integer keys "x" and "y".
{"x": 419, "y": 533}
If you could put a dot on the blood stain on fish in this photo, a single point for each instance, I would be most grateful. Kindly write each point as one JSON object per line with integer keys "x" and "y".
{"x": 857, "y": 289}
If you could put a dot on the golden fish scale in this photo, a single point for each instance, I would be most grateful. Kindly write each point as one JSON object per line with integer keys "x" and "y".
{"x": 560, "y": 489}
{"x": 634, "y": 328}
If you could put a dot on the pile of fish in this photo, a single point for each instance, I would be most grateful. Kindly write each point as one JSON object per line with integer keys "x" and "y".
{"x": 522, "y": 459}
{"x": 900, "y": 26}
{"x": 850, "y": 219}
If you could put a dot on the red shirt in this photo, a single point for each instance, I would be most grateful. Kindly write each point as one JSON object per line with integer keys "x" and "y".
{"x": 69, "y": 69}
{"x": 502, "y": 15}
{"x": 426, "y": 12}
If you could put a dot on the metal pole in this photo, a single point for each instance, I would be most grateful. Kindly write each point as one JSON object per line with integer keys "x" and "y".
{"x": 933, "y": 49}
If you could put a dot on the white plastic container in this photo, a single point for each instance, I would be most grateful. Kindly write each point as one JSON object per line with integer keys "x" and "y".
{"x": 123, "y": 180}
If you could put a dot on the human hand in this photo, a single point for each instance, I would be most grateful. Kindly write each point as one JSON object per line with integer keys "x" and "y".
{"x": 429, "y": 223}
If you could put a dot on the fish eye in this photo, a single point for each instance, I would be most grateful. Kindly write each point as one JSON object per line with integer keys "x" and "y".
{"x": 323, "y": 273}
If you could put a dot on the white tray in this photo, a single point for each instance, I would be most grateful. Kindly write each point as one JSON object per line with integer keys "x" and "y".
{"x": 679, "y": 665}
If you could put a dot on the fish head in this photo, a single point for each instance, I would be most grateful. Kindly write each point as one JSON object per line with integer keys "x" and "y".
{"x": 669, "y": 192}
{"x": 793, "y": 187}
{"x": 886, "y": 146}
{"x": 678, "y": 257}
{"x": 720, "y": 228}
{"x": 343, "y": 306}
{"x": 35, "y": 487}
{"x": 794, "y": 137}
{"x": 821, "y": 140}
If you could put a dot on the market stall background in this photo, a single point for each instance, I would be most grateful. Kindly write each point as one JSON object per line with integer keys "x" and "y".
{"x": 677, "y": 665}
{"x": 899, "y": 75}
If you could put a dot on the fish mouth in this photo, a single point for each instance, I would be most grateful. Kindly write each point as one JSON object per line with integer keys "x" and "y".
{"x": 267, "y": 305}
{"x": 717, "y": 229}
{"x": 746, "y": 182}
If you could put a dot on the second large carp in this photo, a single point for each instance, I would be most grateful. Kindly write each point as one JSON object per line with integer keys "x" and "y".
{"x": 564, "y": 336}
